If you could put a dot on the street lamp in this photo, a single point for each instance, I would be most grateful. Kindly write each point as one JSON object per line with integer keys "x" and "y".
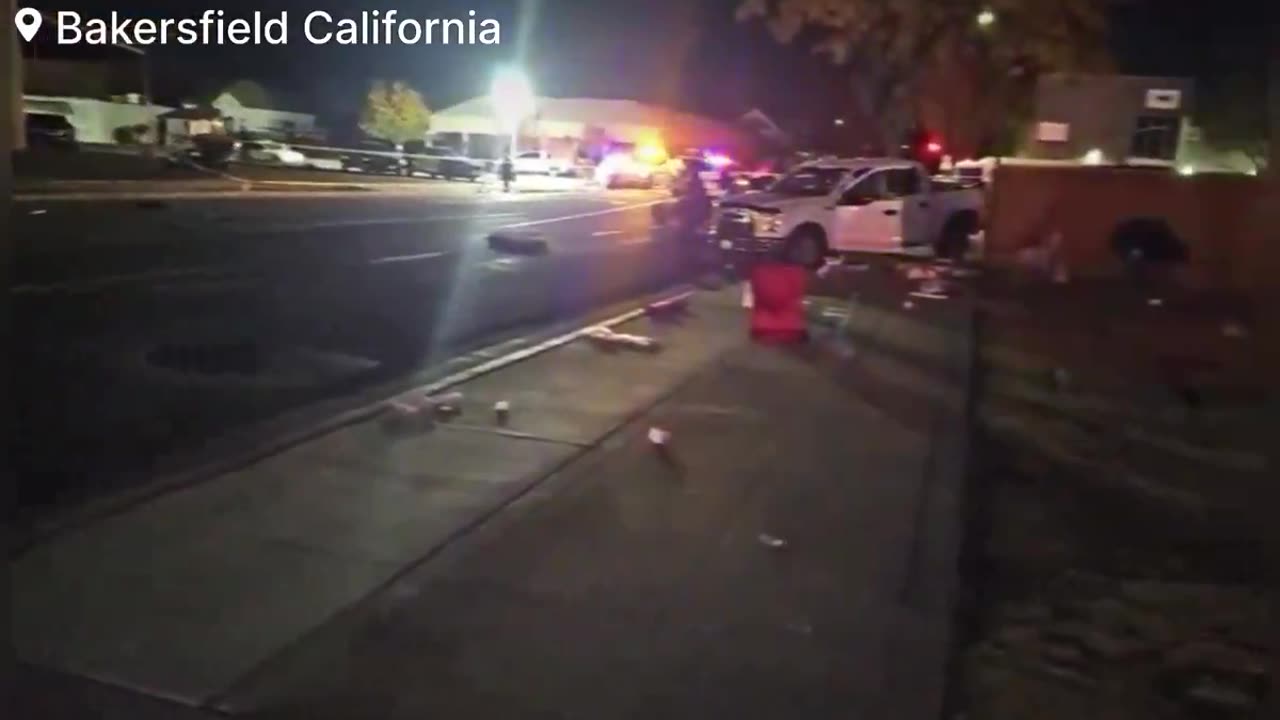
{"x": 513, "y": 100}
{"x": 986, "y": 18}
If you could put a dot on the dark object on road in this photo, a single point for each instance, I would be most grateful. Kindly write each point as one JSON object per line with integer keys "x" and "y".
{"x": 49, "y": 130}
{"x": 1147, "y": 246}
{"x": 518, "y": 243}
{"x": 214, "y": 151}
{"x": 1148, "y": 239}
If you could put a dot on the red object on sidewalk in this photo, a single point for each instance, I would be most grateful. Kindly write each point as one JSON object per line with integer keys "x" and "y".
{"x": 777, "y": 314}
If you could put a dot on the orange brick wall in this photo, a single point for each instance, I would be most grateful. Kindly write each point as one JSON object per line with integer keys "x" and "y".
{"x": 1214, "y": 214}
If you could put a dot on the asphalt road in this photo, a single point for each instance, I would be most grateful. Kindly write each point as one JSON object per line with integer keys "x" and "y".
{"x": 146, "y": 329}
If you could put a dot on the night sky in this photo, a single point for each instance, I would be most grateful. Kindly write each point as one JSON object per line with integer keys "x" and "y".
{"x": 686, "y": 53}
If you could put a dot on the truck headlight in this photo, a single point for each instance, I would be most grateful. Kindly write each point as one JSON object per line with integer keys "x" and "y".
{"x": 768, "y": 224}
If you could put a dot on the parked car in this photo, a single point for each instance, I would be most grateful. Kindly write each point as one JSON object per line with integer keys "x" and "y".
{"x": 212, "y": 150}
{"x": 376, "y": 157}
{"x": 271, "y": 153}
{"x": 49, "y": 130}
{"x": 538, "y": 162}
{"x": 441, "y": 162}
{"x": 866, "y": 205}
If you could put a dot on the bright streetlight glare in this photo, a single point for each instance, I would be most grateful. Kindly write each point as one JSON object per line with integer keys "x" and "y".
{"x": 513, "y": 99}
{"x": 986, "y": 18}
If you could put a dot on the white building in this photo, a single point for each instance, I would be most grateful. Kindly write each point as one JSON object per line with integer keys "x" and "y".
{"x": 247, "y": 107}
{"x": 581, "y": 124}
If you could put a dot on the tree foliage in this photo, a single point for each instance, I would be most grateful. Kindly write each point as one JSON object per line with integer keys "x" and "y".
{"x": 395, "y": 112}
{"x": 902, "y": 53}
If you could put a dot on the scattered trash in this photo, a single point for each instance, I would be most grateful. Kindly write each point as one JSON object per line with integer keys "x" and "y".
{"x": 934, "y": 286}
{"x": 403, "y": 415}
{"x": 605, "y": 337}
{"x": 1234, "y": 330}
{"x": 502, "y": 409}
{"x": 1061, "y": 378}
{"x": 38, "y": 211}
{"x": 658, "y": 436}
{"x": 770, "y": 541}
{"x": 444, "y": 406}
{"x": 666, "y": 309}
{"x": 829, "y": 265}
{"x": 800, "y": 627}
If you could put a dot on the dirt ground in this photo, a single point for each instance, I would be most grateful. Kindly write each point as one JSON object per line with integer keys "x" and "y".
{"x": 1125, "y": 555}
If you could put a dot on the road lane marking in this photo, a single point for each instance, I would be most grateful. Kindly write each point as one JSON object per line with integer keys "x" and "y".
{"x": 360, "y": 222}
{"x": 637, "y": 240}
{"x": 605, "y": 233}
{"x": 407, "y": 258}
{"x": 579, "y": 216}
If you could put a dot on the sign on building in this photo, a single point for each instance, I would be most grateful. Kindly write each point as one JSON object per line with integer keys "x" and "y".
{"x": 1052, "y": 132}
{"x": 1164, "y": 99}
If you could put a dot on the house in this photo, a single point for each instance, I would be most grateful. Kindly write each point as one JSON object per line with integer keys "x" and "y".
{"x": 247, "y": 107}
{"x": 581, "y": 126}
{"x": 1110, "y": 119}
{"x": 102, "y": 99}
{"x": 180, "y": 125}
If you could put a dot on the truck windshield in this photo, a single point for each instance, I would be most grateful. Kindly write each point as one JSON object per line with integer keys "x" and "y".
{"x": 810, "y": 181}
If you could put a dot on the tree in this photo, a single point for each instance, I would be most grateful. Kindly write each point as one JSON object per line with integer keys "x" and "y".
{"x": 395, "y": 112}
{"x": 1231, "y": 113}
{"x": 962, "y": 61}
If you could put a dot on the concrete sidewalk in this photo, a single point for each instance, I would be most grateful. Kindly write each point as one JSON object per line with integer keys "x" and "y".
{"x": 792, "y": 556}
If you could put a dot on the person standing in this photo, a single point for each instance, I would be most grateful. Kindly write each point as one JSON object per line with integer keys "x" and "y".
{"x": 508, "y": 173}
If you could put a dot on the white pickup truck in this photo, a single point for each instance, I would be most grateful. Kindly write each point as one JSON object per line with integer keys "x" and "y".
{"x": 826, "y": 207}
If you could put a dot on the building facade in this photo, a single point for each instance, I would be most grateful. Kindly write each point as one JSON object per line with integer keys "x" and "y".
{"x": 1111, "y": 119}
{"x": 581, "y": 127}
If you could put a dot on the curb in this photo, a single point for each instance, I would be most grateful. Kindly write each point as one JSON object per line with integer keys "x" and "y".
{"x": 125, "y": 500}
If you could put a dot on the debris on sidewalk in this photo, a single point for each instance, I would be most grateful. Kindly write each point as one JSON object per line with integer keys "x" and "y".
{"x": 772, "y": 542}
{"x": 444, "y": 406}
{"x": 748, "y": 298}
{"x": 405, "y": 415}
{"x": 829, "y": 265}
{"x": 659, "y": 437}
{"x": 1234, "y": 330}
{"x": 607, "y": 338}
{"x": 668, "y": 309}
{"x": 502, "y": 410}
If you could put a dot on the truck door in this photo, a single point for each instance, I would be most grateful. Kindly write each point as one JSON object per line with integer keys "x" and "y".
{"x": 867, "y": 218}
{"x": 908, "y": 187}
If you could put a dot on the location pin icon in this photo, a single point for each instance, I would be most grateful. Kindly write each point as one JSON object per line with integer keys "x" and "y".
{"x": 28, "y": 22}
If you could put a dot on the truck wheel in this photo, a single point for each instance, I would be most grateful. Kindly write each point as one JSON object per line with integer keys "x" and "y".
{"x": 953, "y": 243}
{"x": 806, "y": 248}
